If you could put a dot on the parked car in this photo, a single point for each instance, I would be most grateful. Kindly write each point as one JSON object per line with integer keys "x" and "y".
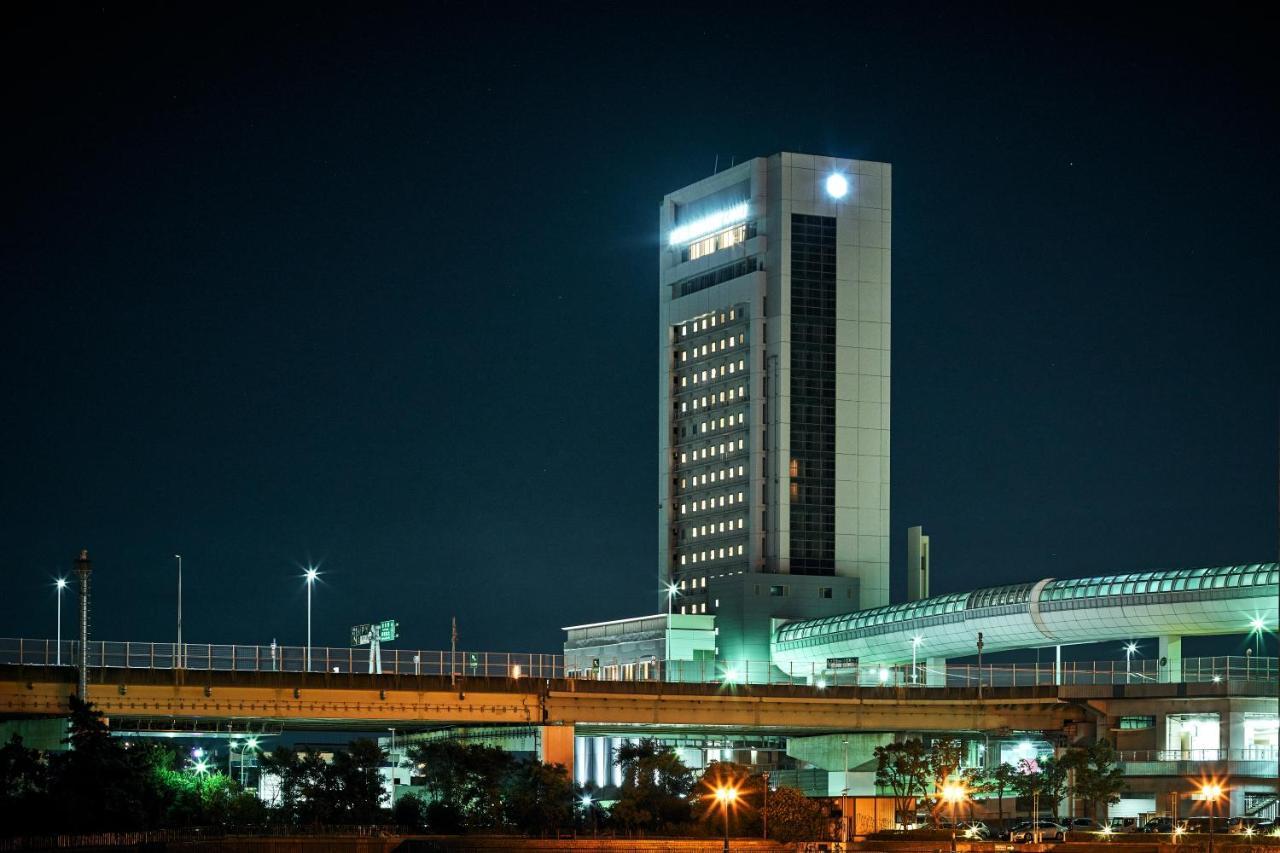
{"x": 1125, "y": 824}
{"x": 1084, "y": 824}
{"x": 1242, "y": 824}
{"x": 1049, "y": 831}
{"x": 1158, "y": 824}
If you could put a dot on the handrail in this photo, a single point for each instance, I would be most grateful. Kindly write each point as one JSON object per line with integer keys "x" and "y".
{"x": 276, "y": 658}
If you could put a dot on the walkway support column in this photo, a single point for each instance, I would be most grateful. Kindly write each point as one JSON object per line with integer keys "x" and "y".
{"x": 1170, "y": 652}
{"x": 935, "y": 672}
{"x": 83, "y": 569}
{"x": 555, "y": 745}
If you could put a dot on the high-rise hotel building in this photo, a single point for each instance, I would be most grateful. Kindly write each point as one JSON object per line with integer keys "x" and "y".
{"x": 774, "y": 333}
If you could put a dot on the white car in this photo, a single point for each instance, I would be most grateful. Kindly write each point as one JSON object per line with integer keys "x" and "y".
{"x": 1049, "y": 831}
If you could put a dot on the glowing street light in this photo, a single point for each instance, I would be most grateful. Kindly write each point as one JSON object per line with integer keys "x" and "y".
{"x": 61, "y": 584}
{"x": 672, "y": 592}
{"x": 726, "y": 796}
{"x": 1130, "y": 649}
{"x": 1211, "y": 793}
{"x": 1257, "y": 625}
{"x": 730, "y": 675}
{"x": 311, "y": 575}
{"x": 954, "y": 794}
{"x": 883, "y": 675}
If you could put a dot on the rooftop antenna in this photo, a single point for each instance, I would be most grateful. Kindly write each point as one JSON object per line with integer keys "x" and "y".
{"x": 716, "y": 168}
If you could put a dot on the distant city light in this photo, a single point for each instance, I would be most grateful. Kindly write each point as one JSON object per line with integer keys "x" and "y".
{"x": 708, "y": 224}
{"x": 837, "y": 186}
{"x": 730, "y": 675}
{"x": 884, "y": 675}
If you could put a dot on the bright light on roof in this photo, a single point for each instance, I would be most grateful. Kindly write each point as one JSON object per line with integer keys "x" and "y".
{"x": 708, "y": 224}
{"x": 837, "y": 186}
{"x": 1257, "y": 623}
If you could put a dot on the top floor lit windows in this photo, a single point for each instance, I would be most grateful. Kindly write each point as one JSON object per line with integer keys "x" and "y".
{"x": 716, "y": 242}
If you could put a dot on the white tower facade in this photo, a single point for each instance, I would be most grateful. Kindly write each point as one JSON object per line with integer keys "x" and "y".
{"x": 774, "y": 378}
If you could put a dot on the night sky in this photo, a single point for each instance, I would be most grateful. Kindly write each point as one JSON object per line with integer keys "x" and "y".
{"x": 378, "y": 290}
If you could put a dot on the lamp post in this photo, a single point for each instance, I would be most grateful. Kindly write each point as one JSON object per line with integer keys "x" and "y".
{"x": 672, "y": 592}
{"x": 726, "y": 796}
{"x": 61, "y": 584}
{"x": 311, "y": 576}
{"x": 764, "y": 809}
{"x": 915, "y": 644}
{"x": 177, "y": 649}
{"x": 1257, "y": 625}
{"x": 1130, "y": 649}
{"x": 1212, "y": 793}
{"x": 844, "y": 797}
{"x": 953, "y": 793}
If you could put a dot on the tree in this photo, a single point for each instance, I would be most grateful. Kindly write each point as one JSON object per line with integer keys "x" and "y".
{"x": 1098, "y": 780}
{"x": 465, "y": 784}
{"x": 655, "y": 783}
{"x": 359, "y": 778}
{"x": 408, "y": 811}
{"x": 1046, "y": 777}
{"x": 539, "y": 798}
{"x": 1000, "y": 780}
{"x": 24, "y": 781}
{"x": 945, "y": 757}
{"x": 901, "y": 769}
{"x": 744, "y": 813}
{"x": 794, "y": 817}
{"x": 99, "y": 784}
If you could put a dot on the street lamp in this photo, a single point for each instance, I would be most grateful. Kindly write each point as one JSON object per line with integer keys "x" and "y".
{"x": 915, "y": 644}
{"x": 726, "y": 796}
{"x": 1211, "y": 793}
{"x": 311, "y": 575}
{"x": 587, "y": 804}
{"x": 1130, "y": 649}
{"x": 672, "y": 592}
{"x": 953, "y": 793}
{"x": 1257, "y": 625}
{"x": 61, "y": 584}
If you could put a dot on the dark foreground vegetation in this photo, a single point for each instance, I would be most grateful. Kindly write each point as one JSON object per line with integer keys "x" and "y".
{"x": 105, "y": 784}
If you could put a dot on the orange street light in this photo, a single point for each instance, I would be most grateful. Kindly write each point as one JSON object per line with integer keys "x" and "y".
{"x": 727, "y": 797}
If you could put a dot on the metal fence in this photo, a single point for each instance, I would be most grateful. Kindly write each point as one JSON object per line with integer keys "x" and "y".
{"x": 240, "y": 658}
{"x": 327, "y": 659}
{"x": 1248, "y": 754}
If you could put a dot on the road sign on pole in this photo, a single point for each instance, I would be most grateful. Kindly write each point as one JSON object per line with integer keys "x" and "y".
{"x": 388, "y": 630}
{"x": 361, "y": 635}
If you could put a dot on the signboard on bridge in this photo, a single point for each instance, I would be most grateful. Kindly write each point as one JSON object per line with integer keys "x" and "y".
{"x": 384, "y": 632}
{"x": 842, "y": 663}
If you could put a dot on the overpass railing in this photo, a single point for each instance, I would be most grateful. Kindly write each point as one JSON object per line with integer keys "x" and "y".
{"x": 254, "y": 658}
{"x": 275, "y": 658}
{"x": 1202, "y": 669}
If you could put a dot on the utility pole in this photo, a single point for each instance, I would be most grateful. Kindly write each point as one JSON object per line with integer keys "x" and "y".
{"x": 453, "y": 652}
{"x": 979, "y": 665}
{"x": 83, "y": 569}
{"x": 764, "y": 811}
{"x": 178, "y": 648}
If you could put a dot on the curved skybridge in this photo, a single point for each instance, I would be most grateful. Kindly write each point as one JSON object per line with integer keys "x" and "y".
{"x": 923, "y": 634}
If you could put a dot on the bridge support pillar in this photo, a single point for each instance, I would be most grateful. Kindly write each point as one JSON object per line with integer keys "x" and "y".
{"x": 555, "y": 745}
{"x": 935, "y": 672}
{"x": 1170, "y": 655}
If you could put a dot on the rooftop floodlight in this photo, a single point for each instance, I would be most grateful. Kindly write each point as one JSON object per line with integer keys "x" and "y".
{"x": 711, "y": 224}
{"x": 837, "y": 186}
{"x": 1257, "y": 623}
{"x": 61, "y": 583}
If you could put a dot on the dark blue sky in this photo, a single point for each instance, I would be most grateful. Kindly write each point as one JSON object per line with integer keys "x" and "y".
{"x": 379, "y": 290}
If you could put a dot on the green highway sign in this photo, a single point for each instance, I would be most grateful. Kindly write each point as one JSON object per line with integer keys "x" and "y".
{"x": 388, "y": 631}
{"x": 361, "y": 635}
{"x": 384, "y": 632}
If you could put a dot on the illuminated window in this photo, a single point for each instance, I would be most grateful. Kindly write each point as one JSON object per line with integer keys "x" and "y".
{"x": 722, "y": 500}
{"x": 739, "y": 444}
{"x": 684, "y": 330}
{"x": 739, "y": 495}
{"x": 731, "y": 499}
{"x": 713, "y": 346}
{"x": 682, "y": 508}
{"x": 713, "y": 373}
{"x": 704, "y": 376}
{"x": 722, "y": 553}
{"x": 694, "y": 533}
{"x": 722, "y": 423}
{"x": 683, "y": 458}
{"x": 721, "y": 396}
{"x": 730, "y": 313}
{"x": 684, "y": 381}
{"x": 682, "y": 559}
{"x": 683, "y": 355}
{"x": 704, "y": 503}
{"x": 695, "y": 404}
{"x": 722, "y": 531}
{"x": 704, "y": 349}
{"x": 739, "y": 550}
{"x": 740, "y": 522}
{"x": 713, "y": 321}
{"x": 730, "y": 341}
{"x": 742, "y": 390}
{"x": 713, "y": 449}
{"x": 742, "y": 364}
{"x": 732, "y": 367}
{"x": 684, "y": 407}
